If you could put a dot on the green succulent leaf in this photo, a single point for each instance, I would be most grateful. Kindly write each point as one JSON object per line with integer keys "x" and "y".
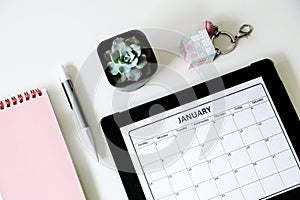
{"x": 122, "y": 69}
{"x": 142, "y": 61}
{"x": 133, "y": 63}
{"x": 107, "y": 56}
{"x": 118, "y": 41}
{"x": 134, "y": 74}
{"x": 123, "y": 78}
{"x": 113, "y": 68}
{"x": 132, "y": 56}
{"x": 136, "y": 49}
{"x": 132, "y": 40}
{"x": 127, "y": 57}
{"x": 115, "y": 55}
{"x": 118, "y": 44}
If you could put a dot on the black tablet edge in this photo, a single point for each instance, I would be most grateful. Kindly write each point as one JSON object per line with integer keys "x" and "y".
{"x": 264, "y": 68}
{"x": 122, "y": 159}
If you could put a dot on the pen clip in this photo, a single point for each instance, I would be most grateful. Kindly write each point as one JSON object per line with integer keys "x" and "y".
{"x": 70, "y": 103}
{"x": 71, "y": 85}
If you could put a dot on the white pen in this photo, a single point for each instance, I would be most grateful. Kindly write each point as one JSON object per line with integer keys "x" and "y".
{"x": 75, "y": 106}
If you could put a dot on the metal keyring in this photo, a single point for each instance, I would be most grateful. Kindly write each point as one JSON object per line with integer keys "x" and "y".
{"x": 232, "y": 39}
{"x": 244, "y": 31}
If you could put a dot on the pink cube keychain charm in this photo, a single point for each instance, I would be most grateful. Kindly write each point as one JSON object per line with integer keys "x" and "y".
{"x": 198, "y": 48}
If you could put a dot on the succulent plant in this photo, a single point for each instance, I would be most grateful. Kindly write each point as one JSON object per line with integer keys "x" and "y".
{"x": 125, "y": 59}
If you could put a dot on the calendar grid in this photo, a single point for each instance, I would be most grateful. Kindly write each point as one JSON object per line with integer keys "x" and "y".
{"x": 231, "y": 171}
{"x": 164, "y": 169}
{"x": 231, "y": 165}
{"x": 186, "y": 167}
{"x": 236, "y": 168}
{"x": 223, "y": 136}
{"x": 216, "y": 149}
{"x": 281, "y": 127}
{"x": 240, "y": 186}
{"x": 266, "y": 139}
{"x": 254, "y": 181}
{"x": 258, "y": 179}
{"x": 232, "y": 189}
{"x": 207, "y": 161}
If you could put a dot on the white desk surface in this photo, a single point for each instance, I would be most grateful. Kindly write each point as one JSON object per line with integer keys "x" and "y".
{"x": 38, "y": 36}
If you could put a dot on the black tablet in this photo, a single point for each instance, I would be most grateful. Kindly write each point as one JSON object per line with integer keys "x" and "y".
{"x": 234, "y": 137}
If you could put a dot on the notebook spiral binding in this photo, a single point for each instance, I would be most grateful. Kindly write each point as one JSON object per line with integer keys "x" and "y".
{"x": 14, "y": 100}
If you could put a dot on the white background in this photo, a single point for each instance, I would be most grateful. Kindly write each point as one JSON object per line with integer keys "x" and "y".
{"x": 38, "y": 36}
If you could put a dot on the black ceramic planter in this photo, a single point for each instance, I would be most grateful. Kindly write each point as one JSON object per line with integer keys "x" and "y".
{"x": 147, "y": 71}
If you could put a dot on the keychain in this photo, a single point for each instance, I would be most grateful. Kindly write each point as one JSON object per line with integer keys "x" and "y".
{"x": 244, "y": 31}
{"x": 199, "y": 47}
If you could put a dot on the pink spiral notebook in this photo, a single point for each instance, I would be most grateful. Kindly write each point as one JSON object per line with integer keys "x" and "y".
{"x": 34, "y": 161}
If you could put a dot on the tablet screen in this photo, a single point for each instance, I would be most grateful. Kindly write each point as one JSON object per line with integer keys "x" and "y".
{"x": 229, "y": 145}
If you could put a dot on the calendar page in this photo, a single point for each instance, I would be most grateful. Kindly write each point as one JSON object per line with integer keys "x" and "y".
{"x": 227, "y": 146}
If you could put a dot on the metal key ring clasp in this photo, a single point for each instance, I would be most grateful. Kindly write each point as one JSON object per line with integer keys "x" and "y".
{"x": 232, "y": 40}
{"x": 244, "y": 30}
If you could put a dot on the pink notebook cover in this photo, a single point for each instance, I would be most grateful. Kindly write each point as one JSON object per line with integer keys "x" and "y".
{"x": 34, "y": 161}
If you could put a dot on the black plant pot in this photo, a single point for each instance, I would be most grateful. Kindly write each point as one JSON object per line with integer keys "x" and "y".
{"x": 147, "y": 71}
